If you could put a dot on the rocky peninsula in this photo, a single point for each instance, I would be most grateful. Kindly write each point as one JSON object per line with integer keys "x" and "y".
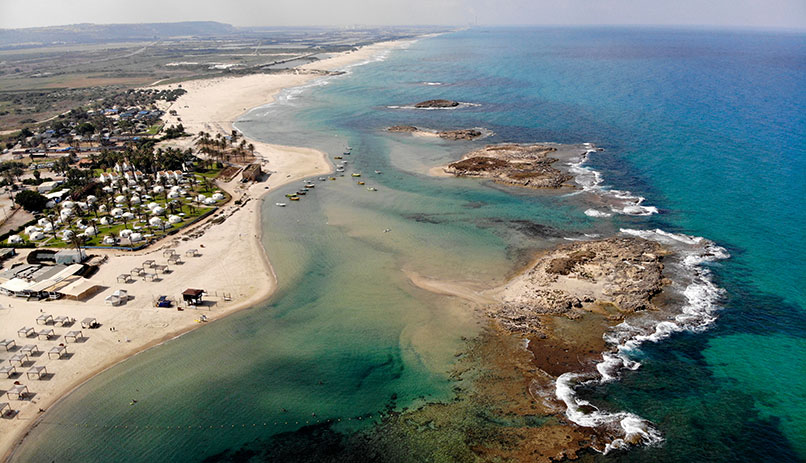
{"x": 527, "y": 166}
{"x": 459, "y": 134}
{"x": 613, "y": 277}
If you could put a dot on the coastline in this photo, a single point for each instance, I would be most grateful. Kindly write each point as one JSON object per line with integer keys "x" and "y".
{"x": 244, "y": 261}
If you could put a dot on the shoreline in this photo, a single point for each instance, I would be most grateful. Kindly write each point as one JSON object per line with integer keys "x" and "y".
{"x": 314, "y": 162}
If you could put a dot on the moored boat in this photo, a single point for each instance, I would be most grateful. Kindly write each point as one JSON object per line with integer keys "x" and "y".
{"x": 279, "y": 204}
{"x": 356, "y": 174}
{"x": 294, "y": 198}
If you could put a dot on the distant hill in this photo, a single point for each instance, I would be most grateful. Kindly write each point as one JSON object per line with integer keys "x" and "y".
{"x": 99, "y": 33}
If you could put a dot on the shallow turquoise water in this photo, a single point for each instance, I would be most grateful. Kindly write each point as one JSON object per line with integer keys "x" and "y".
{"x": 708, "y": 126}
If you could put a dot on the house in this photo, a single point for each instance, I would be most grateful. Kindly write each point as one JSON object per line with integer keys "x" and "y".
{"x": 252, "y": 173}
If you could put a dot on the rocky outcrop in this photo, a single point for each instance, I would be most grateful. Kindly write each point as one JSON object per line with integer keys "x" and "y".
{"x": 519, "y": 165}
{"x": 403, "y": 129}
{"x": 437, "y": 104}
{"x": 459, "y": 134}
{"x": 621, "y": 274}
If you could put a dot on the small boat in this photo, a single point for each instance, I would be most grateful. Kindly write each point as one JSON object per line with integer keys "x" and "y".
{"x": 279, "y": 204}
{"x": 289, "y": 195}
{"x": 294, "y": 198}
{"x": 337, "y": 157}
{"x": 356, "y": 174}
{"x": 310, "y": 185}
{"x": 361, "y": 183}
{"x": 346, "y": 153}
{"x": 332, "y": 178}
{"x": 378, "y": 172}
{"x": 372, "y": 188}
{"x": 304, "y": 189}
{"x": 301, "y": 193}
{"x": 339, "y": 169}
{"x": 322, "y": 179}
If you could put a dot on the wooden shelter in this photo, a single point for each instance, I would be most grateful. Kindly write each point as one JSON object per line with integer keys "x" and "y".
{"x": 75, "y": 334}
{"x": 57, "y": 352}
{"x": 19, "y": 391}
{"x": 8, "y": 343}
{"x": 29, "y": 349}
{"x": 37, "y": 372}
{"x": 193, "y": 296}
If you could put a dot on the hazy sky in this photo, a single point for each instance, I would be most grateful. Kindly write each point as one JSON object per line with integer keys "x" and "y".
{"x": 724, "y": 13}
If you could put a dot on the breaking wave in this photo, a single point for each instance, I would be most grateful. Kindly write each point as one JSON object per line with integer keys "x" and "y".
{"x": 701, "y": 298}
{"x": 619, "y": 201}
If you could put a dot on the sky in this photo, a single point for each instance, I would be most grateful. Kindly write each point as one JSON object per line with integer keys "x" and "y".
{"x": 785, "y": 14}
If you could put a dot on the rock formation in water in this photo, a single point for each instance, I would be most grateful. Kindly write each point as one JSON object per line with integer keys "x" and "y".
{"x": 459, "y": 134}
{"x": 616, "y": 276}
{"x": 513, "y": 164}
{"x": 437, "y": 104}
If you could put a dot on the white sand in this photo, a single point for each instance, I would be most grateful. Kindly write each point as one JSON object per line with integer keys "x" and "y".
{"x": 232, "y": 259}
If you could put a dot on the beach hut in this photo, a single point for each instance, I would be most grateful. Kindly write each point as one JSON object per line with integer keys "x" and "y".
{"x": 193, "y": 296}
{"x": 90, "y": 231}
{"x": 67, "y": 235}
{"x": 159, "y": 210}
{"x": 135, "y": 199}
{"x": 174, "y": 219}
{"x": 120, "y": 199}
{"x": 209, "y": 201}
{"x": 125, "y": 233}
{"x": 135, "y": 237}
{"x": 127, "y": 215}
{"x": 92, "y": 199}
{"x": 37, "y": 236}
{"x": 218, "y": 196}
{"x": 158, "y": 189}
{"x": 110, "y": 240}
{"x": 102, "y": 208}
{"x": 14, "y": 239}
{"x": 105, "y": 221}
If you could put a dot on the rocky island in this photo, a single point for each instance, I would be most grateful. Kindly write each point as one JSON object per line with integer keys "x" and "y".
{"x": 436, "y": 104}
{"x": 459, "y": 134}
{"x": 513, "y": 164}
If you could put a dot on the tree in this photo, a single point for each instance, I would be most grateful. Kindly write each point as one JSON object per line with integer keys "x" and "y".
{"x": 31, "y": 201}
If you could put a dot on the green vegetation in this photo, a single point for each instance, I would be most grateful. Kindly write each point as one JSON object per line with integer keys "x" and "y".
{"x": 31, "y": 201}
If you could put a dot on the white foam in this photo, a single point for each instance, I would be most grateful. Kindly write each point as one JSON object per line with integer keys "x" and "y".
{"x": 596, "y": 213}
{"x": 621, "y": 201}
{"x": 697, "y": 313}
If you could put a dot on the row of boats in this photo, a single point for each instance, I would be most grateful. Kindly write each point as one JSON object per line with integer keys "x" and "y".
{"x": 339, "y": 168}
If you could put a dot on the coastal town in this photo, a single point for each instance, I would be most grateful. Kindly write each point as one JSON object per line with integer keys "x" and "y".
{"x": 131, "y": 220}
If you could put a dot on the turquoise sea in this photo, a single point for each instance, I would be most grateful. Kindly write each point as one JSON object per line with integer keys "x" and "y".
{"x": 708, "y": 126}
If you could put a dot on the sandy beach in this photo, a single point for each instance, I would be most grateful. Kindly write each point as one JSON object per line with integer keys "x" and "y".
{"x": 231, "y": 266}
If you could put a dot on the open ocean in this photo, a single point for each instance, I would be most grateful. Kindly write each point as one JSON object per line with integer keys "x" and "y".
{"x": 709, "y": 127}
